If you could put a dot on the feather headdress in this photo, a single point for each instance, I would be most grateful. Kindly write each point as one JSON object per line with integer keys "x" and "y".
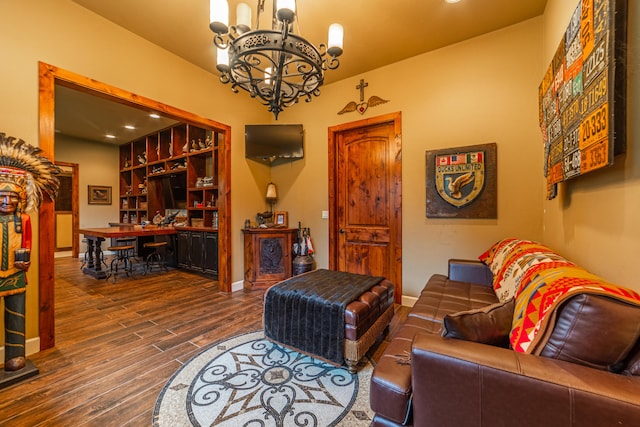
{"x": 26, "y": 172}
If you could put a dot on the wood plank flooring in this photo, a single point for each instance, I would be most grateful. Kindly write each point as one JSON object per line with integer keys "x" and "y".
{"x": 118, "y": 344}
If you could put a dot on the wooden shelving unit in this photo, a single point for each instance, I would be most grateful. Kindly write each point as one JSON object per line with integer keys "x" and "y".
{"x": 146, "y": 163}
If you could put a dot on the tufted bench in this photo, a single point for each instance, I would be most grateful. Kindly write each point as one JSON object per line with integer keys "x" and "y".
{"x": 301, "y": 312}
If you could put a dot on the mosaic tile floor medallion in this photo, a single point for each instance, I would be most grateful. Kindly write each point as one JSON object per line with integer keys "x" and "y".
{"x": 249, "y": 381}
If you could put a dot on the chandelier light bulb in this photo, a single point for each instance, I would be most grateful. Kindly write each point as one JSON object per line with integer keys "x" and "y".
{"x": 336, "y": 33}
{"x": 267, "y": 75}
{"x": 219, "y": 16}
{"x": 222, "y": 59}
{"x": 243, "y": 17}
{"x": 286, "y": 10}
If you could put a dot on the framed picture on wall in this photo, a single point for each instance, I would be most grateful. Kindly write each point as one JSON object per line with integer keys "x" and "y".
{"x": 281, "y": 219}
{"x": 99, "y": 195}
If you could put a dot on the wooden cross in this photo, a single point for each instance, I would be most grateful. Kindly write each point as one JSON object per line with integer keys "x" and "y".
{"x": 361, "y": 87}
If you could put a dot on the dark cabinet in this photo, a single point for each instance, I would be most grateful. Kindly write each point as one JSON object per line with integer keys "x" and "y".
{"x": 211, "y": 253}
{"x": 198, "y": 251}
{"x": 267, "y": 256}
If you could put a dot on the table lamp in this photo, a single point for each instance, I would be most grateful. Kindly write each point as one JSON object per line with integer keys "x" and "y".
{"x": 272, "y": 194}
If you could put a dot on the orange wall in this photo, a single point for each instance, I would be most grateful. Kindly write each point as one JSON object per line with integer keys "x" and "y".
{"x": 478, "y": 91}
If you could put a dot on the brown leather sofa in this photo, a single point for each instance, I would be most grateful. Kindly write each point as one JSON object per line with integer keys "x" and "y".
{"x": 425, "y": 379}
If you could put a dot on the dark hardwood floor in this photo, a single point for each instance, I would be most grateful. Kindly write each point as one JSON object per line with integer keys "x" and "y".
{"x": 118, "y": 344}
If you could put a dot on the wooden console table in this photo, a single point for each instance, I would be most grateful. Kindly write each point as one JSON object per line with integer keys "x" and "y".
{"x": 95, "y": 237}
{"x": 267, "y": 256}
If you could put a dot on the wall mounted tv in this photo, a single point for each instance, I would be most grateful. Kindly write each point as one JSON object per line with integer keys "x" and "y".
{"x": 273, "y": 144}
{"x": 174, "y": 191}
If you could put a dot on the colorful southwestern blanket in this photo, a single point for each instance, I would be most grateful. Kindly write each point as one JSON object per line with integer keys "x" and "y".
{"x": 306, "y": 312}
{"x": 540, "y": 281}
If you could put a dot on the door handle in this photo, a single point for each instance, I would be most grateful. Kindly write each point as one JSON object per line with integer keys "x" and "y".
{"x": 342, "y": 231}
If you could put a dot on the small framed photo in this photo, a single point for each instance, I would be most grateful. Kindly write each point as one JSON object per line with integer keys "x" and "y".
{"x": 281, "y": 219}
{"x": 99, "y": 195}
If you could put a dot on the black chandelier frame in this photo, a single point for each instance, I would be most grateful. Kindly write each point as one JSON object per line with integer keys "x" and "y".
{"x": 275, "y": 67}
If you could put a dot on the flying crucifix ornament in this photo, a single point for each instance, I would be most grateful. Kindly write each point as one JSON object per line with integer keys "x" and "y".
{"x": 362, "y": 106}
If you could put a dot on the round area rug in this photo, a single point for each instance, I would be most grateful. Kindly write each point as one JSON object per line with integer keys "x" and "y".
{"x": 249, "y": 381}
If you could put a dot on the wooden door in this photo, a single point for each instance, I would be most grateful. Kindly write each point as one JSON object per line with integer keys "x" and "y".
{"x": 64, "y": 214}
{"x": 66, "y": 208}
{"x": 365, "y": 198}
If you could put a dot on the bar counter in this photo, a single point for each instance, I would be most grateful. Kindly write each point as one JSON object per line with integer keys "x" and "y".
{"x": 95, "y": 237}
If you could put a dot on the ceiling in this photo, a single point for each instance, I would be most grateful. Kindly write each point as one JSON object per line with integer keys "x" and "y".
{"x": 377, "y": 33}
{"x": 90, "y": 118}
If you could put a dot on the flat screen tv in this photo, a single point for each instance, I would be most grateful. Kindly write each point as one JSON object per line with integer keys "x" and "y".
{"x": 273, "y": 143}
{"x": 174, "y": 191}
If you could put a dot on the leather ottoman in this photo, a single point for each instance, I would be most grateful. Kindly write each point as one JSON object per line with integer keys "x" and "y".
{"x": 324, "y": 312}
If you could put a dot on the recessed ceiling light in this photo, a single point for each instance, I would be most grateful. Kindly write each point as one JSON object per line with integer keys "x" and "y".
{"x": 110, "y": 136}
{"x": 129, "y": 127}
{"x": 154, "y": 116}
{"x": 452, "y": 1}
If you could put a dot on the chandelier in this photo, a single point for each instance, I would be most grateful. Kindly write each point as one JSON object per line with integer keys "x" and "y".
{"x": 276, "y": 66}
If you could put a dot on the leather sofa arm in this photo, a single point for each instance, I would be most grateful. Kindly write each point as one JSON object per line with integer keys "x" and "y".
{"x": 470, "y": 271}
{"x": 462, "y": 383}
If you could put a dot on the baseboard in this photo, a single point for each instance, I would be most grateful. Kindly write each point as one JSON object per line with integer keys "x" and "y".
{"x": 32, "y": 346}
{"x": 409, "y": 301}
{"x": 237, "y": 286}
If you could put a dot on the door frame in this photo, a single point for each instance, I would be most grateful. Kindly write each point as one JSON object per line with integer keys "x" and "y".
{"x": 75, "y": 207}
{"x": 396, "y": 119}
{"x": 48, "y": 77}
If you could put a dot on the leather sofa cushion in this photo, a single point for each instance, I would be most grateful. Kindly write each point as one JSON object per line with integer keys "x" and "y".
{"x": 593, "y": 330}
{"x": 390, "y": 389}
{"x": 632, "y": 367}
{"x": 442, "y": 296}
{"x": 390, "y": 392}
{"x": 488, "y": 325}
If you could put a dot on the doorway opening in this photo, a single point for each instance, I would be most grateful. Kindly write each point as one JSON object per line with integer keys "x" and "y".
{"x": 49, "y": 77}
{"x": 67, "y": 211}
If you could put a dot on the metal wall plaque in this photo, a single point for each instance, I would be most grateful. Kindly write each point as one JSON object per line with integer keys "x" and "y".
{"x": 462, "y": 182}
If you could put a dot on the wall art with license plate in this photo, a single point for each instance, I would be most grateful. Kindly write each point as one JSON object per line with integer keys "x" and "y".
{"x": 582, "y": 96}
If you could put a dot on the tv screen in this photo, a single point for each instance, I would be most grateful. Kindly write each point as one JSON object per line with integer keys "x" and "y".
{"x": 271, "y": 143}
{"x": 174, "y": 191}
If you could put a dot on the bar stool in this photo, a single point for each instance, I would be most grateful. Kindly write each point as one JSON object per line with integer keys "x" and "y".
{"x": 156, "y": 257}
{"x": 123, "y": 255}
{"x": 127, "y": 241}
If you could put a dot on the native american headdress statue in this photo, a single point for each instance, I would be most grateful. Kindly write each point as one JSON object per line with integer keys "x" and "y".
{"x": 24, "y": 171}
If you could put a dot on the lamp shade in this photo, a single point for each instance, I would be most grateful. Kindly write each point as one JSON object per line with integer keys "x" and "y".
{"x": 272, "y": 192}
{"x": 219, "y": 16}
{"x": 286, "y": 10}
{"x": 243, "y": 16}
{"x": 222, "y": 59}
{"x": 336, "y": 33}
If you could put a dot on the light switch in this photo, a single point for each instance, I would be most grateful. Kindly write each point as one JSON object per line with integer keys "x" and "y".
{"x": 325, "y": 214}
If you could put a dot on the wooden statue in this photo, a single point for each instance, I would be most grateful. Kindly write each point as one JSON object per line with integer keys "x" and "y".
{"x": 24, "y": 174}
